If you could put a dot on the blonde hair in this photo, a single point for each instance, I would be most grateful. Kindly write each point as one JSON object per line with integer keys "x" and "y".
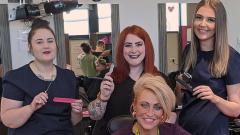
{"x": 219, "y": 63}
{"x": 158, "y": 86}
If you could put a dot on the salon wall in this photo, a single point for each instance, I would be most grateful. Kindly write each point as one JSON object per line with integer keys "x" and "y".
{"x": 144, "y": 13}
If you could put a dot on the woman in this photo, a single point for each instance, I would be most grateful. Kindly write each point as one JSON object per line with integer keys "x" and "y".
{"x": 214, "y": 67}
{"x": 28, "y": 92}
{"x": 134, "y": 56}
{"x": 152, "y": 105}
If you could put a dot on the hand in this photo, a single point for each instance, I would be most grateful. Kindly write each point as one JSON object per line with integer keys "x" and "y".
{"x": 77, "y": 106}
{"x": 39, "y": 100}
{"x": 205, "y": 93}
{"x": 107, "y": 87}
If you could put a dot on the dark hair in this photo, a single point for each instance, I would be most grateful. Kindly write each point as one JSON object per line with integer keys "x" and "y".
{"x": 86, "y": 48}
{"x": 38, "y": 24}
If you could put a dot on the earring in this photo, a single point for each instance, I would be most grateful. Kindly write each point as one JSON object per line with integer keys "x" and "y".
{"x": 134, "y": 114}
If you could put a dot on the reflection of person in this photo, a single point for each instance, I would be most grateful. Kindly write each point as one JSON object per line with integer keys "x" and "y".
{"x": 134, "y": 56}
{"x": 87, "y": 62}
{"x": 214, "y": 67}
{"x": 100, "y": 47}
{"x": 101, "y": 52}
{"x": 27, "y": 102}
{"x": 152, "y": 105}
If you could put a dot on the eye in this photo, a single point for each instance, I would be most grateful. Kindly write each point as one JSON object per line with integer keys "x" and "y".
{"x": 144, "y": 105}
{"x": 51, "y": 41}
{"x": 198, "y": 18}
{"x": 157, "y": 107}
{"x": 211, "y": 19}
{"x": 39, "y": 42}
{"x": 139, "y": 44}
{"x": 127, "y": 45}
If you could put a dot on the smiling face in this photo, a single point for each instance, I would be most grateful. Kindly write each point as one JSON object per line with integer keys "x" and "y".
{"x": 204, "y": 24}
{"x": 134, "y": 50}
{"x": 148, "y": 110}
{"x": 43, "y": 45}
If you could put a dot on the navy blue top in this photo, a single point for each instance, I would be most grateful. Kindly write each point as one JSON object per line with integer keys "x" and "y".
{"x": 165, "y": 129}
{"x": 53, "y": 118}
{"x": 201, "y": 117}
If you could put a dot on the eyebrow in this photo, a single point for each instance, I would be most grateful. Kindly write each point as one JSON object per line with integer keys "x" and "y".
{"x": 39, "y": 39}
{"x": 134, "y": 43}
{"x": 207, "y": 16}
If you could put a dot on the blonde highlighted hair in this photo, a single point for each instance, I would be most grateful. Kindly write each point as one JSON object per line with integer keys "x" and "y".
{"x": 219, "y": 63}
{"x": 158, "y": 86}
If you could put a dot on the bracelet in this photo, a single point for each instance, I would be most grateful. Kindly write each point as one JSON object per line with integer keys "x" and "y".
{"x": 99, "y": 98}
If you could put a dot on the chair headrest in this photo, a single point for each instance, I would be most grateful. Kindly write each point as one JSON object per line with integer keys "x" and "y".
{"x": 119, "y": 122}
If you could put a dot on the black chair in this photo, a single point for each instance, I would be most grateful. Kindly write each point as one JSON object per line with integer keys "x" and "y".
{"x": 119, "y": 122}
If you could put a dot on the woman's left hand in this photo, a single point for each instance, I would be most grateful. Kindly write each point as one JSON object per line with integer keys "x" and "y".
{"x": 77, "y": 106}
{"x": 205, "y": 93}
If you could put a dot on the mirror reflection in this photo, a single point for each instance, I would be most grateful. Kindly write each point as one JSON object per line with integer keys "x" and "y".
{"x": 94, "y": 27}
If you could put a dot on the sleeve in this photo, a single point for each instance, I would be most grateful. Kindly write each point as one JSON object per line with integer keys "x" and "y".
{"x": 11, "y": 91}
{"x": 233, "y": 73}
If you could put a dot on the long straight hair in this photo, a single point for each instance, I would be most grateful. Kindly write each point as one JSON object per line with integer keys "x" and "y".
{"x": 122, "y": 69}
{"x": 219, "y": 63}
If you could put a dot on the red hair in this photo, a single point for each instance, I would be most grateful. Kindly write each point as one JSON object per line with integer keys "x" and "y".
{"x": 121, "y": 71}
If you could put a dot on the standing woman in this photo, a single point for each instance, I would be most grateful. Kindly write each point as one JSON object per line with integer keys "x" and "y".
{"x": 214, "y": 67}
{"x": 27, "y": 103}
{"x": 134, "y": 56}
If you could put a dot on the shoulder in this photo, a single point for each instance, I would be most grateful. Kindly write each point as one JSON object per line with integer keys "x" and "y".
{"x": 65, "y": 72}
{"x": 17, "y": 73}
{"x": 234, "y": 55}
{"x": 172, "y": 129}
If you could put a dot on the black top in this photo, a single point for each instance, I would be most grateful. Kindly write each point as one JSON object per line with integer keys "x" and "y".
{"x": 201, "y": 117}
{"x": 53, "y": 118}
{"x": 165, "y": 129}
{"x": 118, "y": 104}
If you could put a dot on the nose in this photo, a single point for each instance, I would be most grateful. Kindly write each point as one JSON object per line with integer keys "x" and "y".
{"x": 150, "y": 112}
{"x": 133, "y": 49}
{"x": 46, "y": 45}
{"x": 203, "y": 22}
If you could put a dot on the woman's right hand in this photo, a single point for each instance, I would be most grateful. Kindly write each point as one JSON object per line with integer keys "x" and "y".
{"x": 39, "y": 101}
{"x": 107, "y": 87}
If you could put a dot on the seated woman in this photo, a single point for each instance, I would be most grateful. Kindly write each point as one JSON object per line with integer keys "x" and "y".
{"x": 151, "y": 107}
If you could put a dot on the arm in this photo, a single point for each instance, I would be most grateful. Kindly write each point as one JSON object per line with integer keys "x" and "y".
{"x": 230, "y": 107}
{"x": 14, "y": 115}
{"x": 97, "y": 107}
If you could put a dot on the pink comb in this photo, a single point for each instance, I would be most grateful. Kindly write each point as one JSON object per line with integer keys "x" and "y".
{"x": 64, "y": 100}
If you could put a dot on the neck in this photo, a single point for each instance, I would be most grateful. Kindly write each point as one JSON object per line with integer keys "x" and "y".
{"x": 142, "y": 131}
{"x": 135, "y": 72}
{"x": 206, "y": 45}
{"x": 45, "y": 71}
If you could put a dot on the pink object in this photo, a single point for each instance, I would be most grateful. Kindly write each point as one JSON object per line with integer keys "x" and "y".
{"x": 64, "y": 100}
{"x": 86, "y": 114}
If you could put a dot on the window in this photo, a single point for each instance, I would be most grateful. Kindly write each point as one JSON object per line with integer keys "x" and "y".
{"x": 104, "y": 17}
{"x": 76, "y": 22}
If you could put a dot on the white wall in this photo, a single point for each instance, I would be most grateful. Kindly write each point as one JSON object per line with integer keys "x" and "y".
{"x": 144, "y": 13}
{"x": 232, "y": 8}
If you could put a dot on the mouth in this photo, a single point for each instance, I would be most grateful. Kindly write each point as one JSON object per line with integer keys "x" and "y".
{"x": 46, "y": 52}
{"x": 203, "y": 31}
{"x": 133, "y": 56}
{"x": 149, "y": 120}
